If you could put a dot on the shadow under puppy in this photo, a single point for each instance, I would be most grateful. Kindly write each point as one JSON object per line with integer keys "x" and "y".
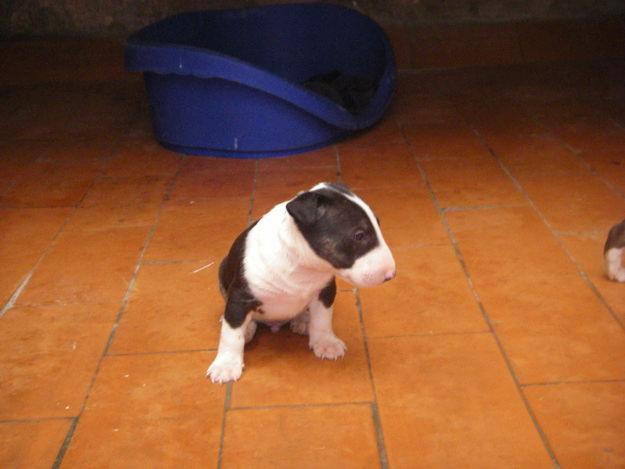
{"x": 283, "y": 267}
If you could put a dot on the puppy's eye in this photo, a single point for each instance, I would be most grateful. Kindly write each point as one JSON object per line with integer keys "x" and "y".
{"x": 359, "y": 235}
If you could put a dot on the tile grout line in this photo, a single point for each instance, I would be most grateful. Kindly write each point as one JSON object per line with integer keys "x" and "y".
{"x": 582, "y": 273}
{"x": 229, "y": 386}
{"x": 557, "y": 383}
{"x": 486, "y": 316}
{"x": 556, "y": 233}
{"x": 24, "y": 283}
{"x": 222, "y": 435}
{"x": 375, "y": 409}
{"x": 375, "y": 412}
{"x": 617, "y": 123}
{"x": 139, "y": 263}
{"x": 490, "y": 325}
{"x": 66, "y": 442}
{"x": 159, "y": 352}
{"x": 439, "y": 159}
{"x": 11, "y": 302}
{"x": 70, "y": 433}
{"x": 300, "y": 406}
{"x": 468, "y": 208}
{"x": 579, "y": 234}
{"x": 36, "y": 420}
{"x": 579, "y": 155}
{"x": 578, "y": 152}
{"x": 434, "y": 334}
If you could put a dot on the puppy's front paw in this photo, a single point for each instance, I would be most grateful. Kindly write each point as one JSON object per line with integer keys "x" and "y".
{"x": 328, "y": 346}
{"x": 224, "y": 369}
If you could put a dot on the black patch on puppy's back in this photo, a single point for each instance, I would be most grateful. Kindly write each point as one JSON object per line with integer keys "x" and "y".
{"x": 336, "y": 228}
{"x": 234, "y": 287}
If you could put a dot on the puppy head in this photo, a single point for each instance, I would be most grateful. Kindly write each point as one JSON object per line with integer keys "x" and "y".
{"x": 341, "y": 229}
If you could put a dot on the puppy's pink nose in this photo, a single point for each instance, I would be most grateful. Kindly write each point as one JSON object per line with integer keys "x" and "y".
{"x": 390, "y": 275}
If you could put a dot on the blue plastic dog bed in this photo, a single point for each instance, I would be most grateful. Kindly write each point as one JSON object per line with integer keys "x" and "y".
{"x": 240, "y": 83}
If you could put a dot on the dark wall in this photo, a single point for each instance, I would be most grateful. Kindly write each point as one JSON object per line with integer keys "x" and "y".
{"x": 118, "y": 17}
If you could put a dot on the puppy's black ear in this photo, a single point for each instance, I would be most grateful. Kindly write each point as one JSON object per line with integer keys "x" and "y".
{"x": 307, "y": 207}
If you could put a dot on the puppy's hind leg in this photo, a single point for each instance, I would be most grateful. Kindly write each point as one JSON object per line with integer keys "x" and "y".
{"x": 299, "y": 324}
{"x": 250, "y": 330}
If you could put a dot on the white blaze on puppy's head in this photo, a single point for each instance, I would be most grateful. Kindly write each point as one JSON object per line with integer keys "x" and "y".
{"x": 342, "y": 230}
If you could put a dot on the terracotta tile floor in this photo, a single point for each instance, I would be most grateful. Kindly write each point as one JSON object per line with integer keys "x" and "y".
{"x": 500, "y": 343}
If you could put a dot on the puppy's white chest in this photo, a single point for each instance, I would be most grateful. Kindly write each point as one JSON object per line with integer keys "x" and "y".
{"x": 280, "y": 309}
{"x": 275, "y": 269}
{"x": 284, "y": 297}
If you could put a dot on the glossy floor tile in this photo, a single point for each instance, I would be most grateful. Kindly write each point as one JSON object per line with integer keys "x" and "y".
{"x": 495, "y": 174}
{"x": 469, "y": 183}
{"x": 26, "y": 236}
{"x": 584, "y": 422}
{"x": 408, "y": 214}
{"x": 92, "y": 267}
{"x": 551, "y": 323}
{"x": 32, "y": 444}
{"x": 378, "y": 166}
{"x": 324, "y": 158}
{"x": 587, "y": 250}
{"x": 431, "y": 393}
{"x": 590, "y": 204}
{"x": 507, "y": 242}
{"x": 430, "y": 296}
{"x": 179, "y": 415}
{"x": 172, "y": 307}
{"x": 49, "y": 356}
{"x": 333, "y": 436}
{"x": 206, "y": 178}
{"x": 48, "y": 185}
{"x": 444, "y": 139}
{"x": 202, "y": 230}
{"x": 138, "y": 158}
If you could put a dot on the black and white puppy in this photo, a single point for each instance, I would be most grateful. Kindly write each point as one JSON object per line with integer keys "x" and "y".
{"x": 613, "y": 252}
{"x": 283, "y": 267}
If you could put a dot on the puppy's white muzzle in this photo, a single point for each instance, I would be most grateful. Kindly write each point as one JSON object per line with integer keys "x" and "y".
{"x": 374, "y": 268}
